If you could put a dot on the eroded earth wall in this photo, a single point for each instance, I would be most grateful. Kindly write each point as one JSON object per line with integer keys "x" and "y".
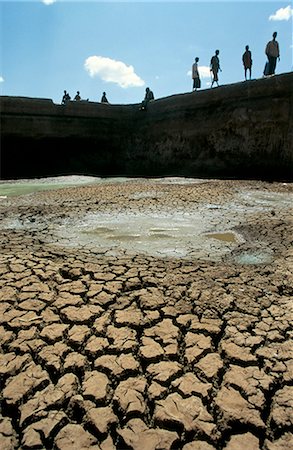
{"x": 240, "y": 130}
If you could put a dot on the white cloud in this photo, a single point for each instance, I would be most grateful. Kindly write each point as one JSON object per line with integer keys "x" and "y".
{"x": 282, "y": 14}
{"x": 112, "y": 71}
{"x": 1, "y": 79}
{"x": 204, "y": 72}
{"x": 49, "y": 2}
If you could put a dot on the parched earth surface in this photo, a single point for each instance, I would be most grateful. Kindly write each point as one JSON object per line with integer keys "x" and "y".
{"x": 104, "y": 349}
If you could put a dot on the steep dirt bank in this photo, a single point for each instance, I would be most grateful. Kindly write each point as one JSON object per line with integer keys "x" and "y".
{"x": 242, "y": 130}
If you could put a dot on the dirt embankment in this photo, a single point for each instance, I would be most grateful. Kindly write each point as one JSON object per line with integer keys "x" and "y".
{"x": 242, "y": 130}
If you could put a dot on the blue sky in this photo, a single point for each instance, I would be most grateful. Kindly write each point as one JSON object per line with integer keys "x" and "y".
{"x": 123, "y": 47}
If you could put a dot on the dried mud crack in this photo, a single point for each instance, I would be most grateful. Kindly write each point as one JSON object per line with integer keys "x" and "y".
{"x": 122, "y": 350}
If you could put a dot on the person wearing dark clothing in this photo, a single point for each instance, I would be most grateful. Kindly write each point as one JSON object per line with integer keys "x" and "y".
{"x": 273, "y": 52}
{"x": 247, "y": 62}
{"x": 77, "y": 98}
{"x": 66, "y": 98}
{"x": 195, "y": 75}
{"x": 104, "y": 98}
{"x": 149, "y": 95}
{"x": 215, "y": 67}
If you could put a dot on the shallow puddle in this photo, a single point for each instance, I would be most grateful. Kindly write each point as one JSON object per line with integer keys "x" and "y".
{"x": 151, "y": 233}
{"x": 101, "y": 230}
{"x": 160, "y": 235}
{"x": 123, "y": 237}
{"x": 253, "y": 257}
{"x": 226, "y": 237}
{"x": 13, "y": 188}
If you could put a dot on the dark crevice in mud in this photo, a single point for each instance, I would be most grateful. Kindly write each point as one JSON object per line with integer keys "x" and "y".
{"x": 41, "y": 412}
{"x": 121, "y": 444}
{"x": 127, "y": 416}
{"x": 278, "y": 431}
{"x": 171, "y": 425}
{"x": 144, "y": 363}
{"x": 93, "y": 430}
{"x": 153, "y": 322}
{"x": 149, "y": 412}
{"x": 128, "y": 288}
{"x": 34, "y": 354}
{"x": 131, "y": 326}
{"x": 116, "y": 379}
{"x": 89, "y": 322}
{"x": 101, "y": 436}
{"x": 78, "y": 371}
{"x": 75, "y": 411}
{"x": 25, "y": 398}
{"x": 262, "y": 364}
{"x": 285, "y": 290}
{"x": 176, "y": 445}
{"x": 168, "y": 382}
{"x": 68, "y": 275}
{"x": 13, "y": 413}
{"x": 197, "y": 308}
{"x": 201, "y": 375}
{"x": 254, "y": 349}
{"x": 49, "y": 442}
{"x": 209, "y": 400}
{"x": 272, "y": 428}
{"x": 112, "y": 433}
{"x": 78, "y": 346}
{"x": 218, "y": 380}
{"x": 238, "y": 362}
{"x": 190, "y": 436}
{"x": 5, "y": 376}
{"x": 236, "y": 428}
{"x": 217, "y": 337}
{"x": 119, "y": 304}
{"x": 181, "y": 351}
{"x": 276, "y": 340}
{"x": 53, "y": 373}
{"x": 148, "y": 284}
{"x": 121, "y": 416}
{"x": 244, "y": 394}
{"x": 117, "y": 351}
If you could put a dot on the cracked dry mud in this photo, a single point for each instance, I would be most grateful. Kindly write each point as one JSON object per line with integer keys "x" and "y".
{"x": 141, "y": 352}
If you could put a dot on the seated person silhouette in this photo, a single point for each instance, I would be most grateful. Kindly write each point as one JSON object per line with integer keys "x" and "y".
{"x": 149, "y": 95}
{"x": 77, "y": 98}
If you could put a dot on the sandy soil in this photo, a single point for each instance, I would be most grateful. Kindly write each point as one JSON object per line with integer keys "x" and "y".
{"x": 104, "y": 349}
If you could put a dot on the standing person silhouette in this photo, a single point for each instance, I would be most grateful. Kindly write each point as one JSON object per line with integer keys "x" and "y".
{"x": 104, "y": 98}
{"x": 66, "y": 98}
{"x": 215, "y": 67}
{"x": 195, "y": 75}
{"x": 247, "y": 62}
{"x": 273, "y": 52}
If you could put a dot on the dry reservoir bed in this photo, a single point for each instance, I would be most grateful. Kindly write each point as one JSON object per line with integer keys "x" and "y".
{"x": 147, "y": 314}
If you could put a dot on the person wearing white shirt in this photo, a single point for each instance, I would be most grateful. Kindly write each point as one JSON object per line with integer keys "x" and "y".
{"x": 195, "y": 75}
{"x": 273, "y": 52}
